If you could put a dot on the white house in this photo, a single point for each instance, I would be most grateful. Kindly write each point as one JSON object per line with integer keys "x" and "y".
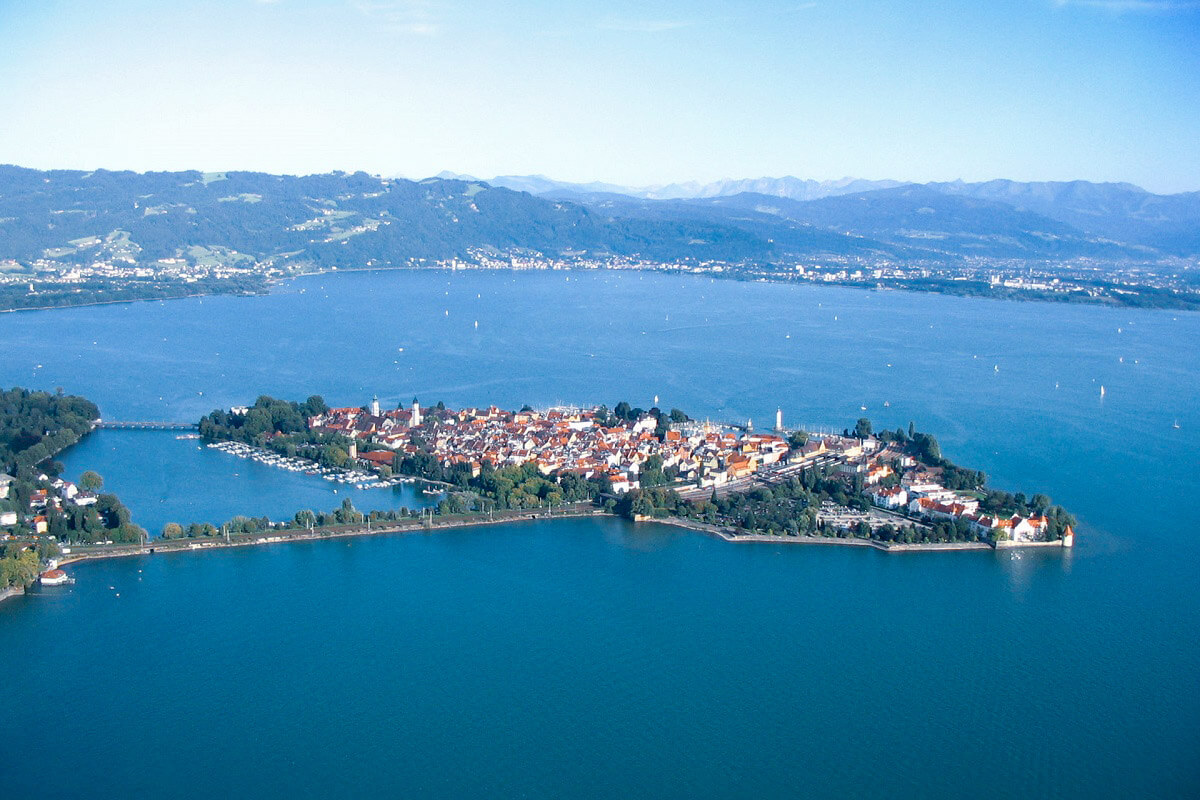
{"x": 894, "y": 497}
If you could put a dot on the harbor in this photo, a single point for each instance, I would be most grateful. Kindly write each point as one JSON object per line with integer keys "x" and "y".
{"x": 358, "y": 478}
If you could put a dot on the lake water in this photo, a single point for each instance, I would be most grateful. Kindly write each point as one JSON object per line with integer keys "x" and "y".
{"x": 597, "y": 658}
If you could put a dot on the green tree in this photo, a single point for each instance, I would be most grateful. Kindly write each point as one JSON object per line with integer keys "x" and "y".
{"x": 172, "y": 530}
{"x": 334, "y": 456}
{"x": 90, "y": 481}
{"x": 651, "y": 473}
{"x": 18, "y": 567}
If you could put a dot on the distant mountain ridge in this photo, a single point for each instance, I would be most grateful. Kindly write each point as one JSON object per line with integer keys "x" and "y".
{"x": 51, "y": 220}
{"x": 1121, "y": 213}
{"x": 787, "y": 186}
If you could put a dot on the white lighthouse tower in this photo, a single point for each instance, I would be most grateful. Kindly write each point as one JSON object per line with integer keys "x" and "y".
{"x": 779, "y": 419}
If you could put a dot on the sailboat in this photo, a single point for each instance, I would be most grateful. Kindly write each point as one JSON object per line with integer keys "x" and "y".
{"x": 1176, "y": 425}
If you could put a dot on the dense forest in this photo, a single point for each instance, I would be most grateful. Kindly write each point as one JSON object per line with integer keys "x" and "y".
{"x": 36, "y": 425}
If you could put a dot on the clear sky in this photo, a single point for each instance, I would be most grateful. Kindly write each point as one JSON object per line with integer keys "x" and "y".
{"x": 628, "y": 92}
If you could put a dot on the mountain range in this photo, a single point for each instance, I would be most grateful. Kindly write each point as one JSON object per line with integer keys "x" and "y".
{"x": 787, "y": 186}
{"x": 1123, "y": 213}
{"x": 65, "y": 217}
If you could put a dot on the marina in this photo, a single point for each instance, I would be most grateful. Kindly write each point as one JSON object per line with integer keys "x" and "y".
{"x": 357, "y": 478}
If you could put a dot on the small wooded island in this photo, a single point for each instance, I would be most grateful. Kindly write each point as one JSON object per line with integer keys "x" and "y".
{"x": 890, "y": 489}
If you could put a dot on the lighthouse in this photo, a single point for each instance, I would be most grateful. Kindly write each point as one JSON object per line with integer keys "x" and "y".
{"x": 779, "y": 419}
{"x": 1068, "y": 539}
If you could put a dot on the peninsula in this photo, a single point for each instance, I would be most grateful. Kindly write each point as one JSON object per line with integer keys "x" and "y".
{"x": 888, "y": 489}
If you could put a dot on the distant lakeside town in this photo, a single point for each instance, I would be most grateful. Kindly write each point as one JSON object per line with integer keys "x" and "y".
{"x": 889, "y": 489}
{"x": 42, "y": 285}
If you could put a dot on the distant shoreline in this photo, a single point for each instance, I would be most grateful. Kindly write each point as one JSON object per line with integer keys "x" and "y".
{"x": 106, "y": 302}
{"x": 965, "y": 291}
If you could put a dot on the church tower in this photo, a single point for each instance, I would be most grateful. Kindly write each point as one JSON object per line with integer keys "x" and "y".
{"x": 375, "y": 406}
{"x": 416, "y": 414}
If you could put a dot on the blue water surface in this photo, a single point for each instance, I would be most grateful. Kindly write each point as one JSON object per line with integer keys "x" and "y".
{"x": 598, "y": 658}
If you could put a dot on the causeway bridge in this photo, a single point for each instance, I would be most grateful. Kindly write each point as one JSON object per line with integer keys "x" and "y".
{"x": 155, "y": 425}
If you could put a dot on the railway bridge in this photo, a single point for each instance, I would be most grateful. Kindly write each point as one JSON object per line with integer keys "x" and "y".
{"x": 146, "y": 425}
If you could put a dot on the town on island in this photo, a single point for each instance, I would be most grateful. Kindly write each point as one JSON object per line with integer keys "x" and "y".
{"x": 888, "y": 489}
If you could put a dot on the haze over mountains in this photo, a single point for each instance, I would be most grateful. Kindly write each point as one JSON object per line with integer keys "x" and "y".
{"x": 64, "y": 217}
{"x": 787, "y": 186}
{"x": 1122, "y": 212}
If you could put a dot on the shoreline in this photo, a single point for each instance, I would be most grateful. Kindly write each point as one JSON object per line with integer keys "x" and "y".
{"x": 92, "y": 303}
{"x": 269, "y": 284}
{"x": 354, "y": 531}
{"x": 350, "y": 531}
{"x": 887, "y": 547}
{"x": 11, "y": 591}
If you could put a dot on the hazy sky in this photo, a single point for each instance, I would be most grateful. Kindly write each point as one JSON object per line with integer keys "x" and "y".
{"x": 630, "y": 92}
